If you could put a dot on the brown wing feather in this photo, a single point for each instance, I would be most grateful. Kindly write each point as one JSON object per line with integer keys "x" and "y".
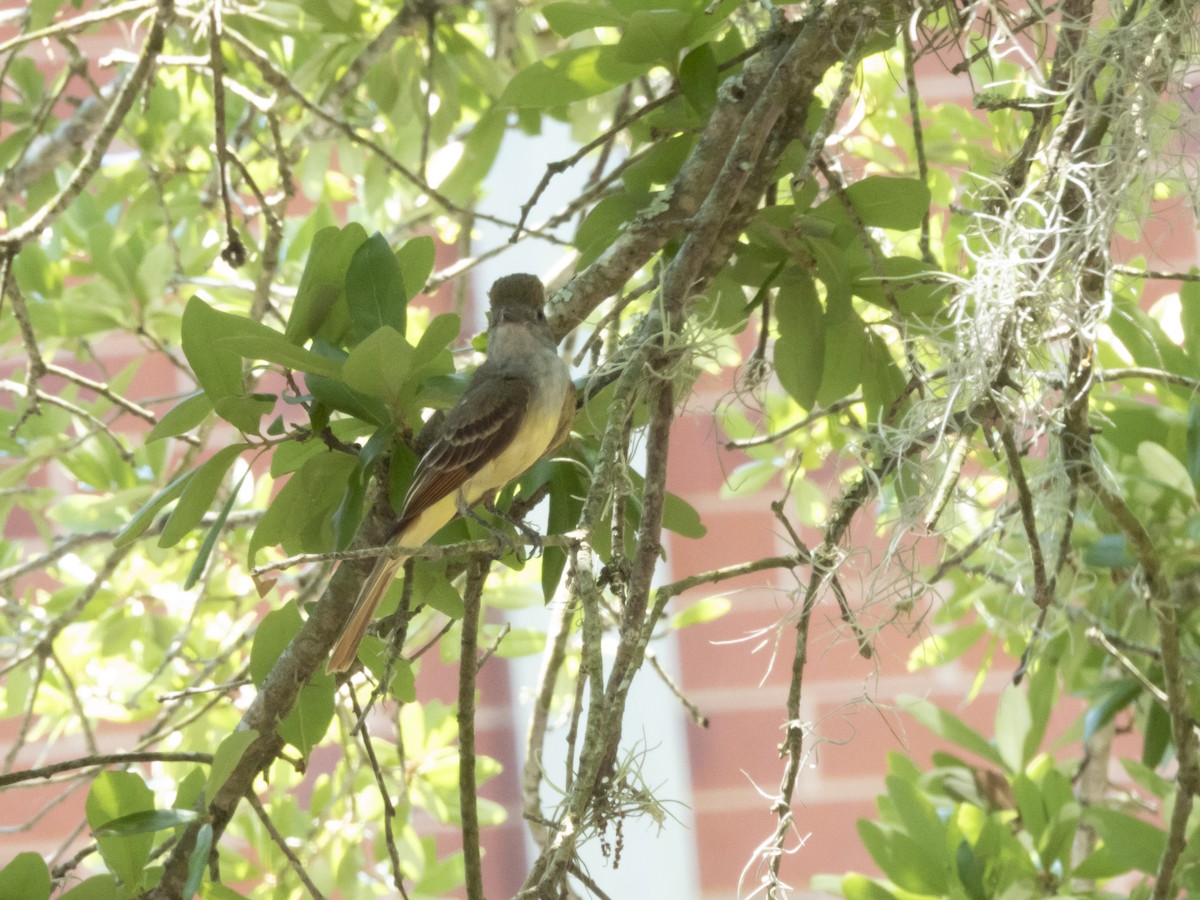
{"x": 480, "y": 426}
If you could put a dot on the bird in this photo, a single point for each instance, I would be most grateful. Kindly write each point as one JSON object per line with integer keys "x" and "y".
{"x": 518, "y": 406}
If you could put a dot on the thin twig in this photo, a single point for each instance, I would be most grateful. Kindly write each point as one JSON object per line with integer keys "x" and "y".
{"x": 71, "y": 543}
{"x": 1156, "y": 273}
{"x": 693, "y": 710}
{"x": 1105, "y": 642}
{"x": 102, "y": 759}
{"x": 103, "y": 390}
{"x": 819, "y": 413}
{"x": 36, "y": 366}
{"x": 282, "y": 844}
{"x": 280, "y": 81}
{"x": 76, "y": 24}
{"x": 33, "y": 227}
{"x": 467, "y": 670}
{"x": 234, "y": 251}
{"x": 430, "y": 552}
{"x": 558, "y": 632}
{"x": 389, "y": 809}
{"x": 431, "y": 12}
{"x": 1148, "y": 374}
{"x": 1043, "y": 592}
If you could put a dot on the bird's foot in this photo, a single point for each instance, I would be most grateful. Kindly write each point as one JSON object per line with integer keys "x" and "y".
{"x": 505, "y": 541}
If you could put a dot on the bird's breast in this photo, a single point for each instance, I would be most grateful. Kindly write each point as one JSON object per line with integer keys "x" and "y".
{"x": 533, "y": 437}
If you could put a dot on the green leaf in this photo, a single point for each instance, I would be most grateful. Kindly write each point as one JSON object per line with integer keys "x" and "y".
{"x": 271, "y": 346}
{"x": 947, "y": 725}
{"x": 1189, "y": 312}
{"x": 309, "y": 720}
{"x": 1146, "y": 341}
{"x": 306, "y": 723}
{"x": 605, "y": 222}
{"x": 1057, "y": 843}
{"x": 323, "y": 283}
{"x": 1043, "y": 693}
{"x": 749, "y": 478}
{"x": 681, "y": 517}
{"x": 480, "y": 148}
{"x": 300, "y": 516}
{"x": 707, "y": 610}
{"x": 198, "y": 861}
{"x": 1193, "y": 443}
{"x": 113, "y": 795}
{"x": 970, "y": 871}
{"x": 218, "y": 371}
{"x": 375, "y": 289}
{"x": 1131, "y": 843}
{"x": 1108, "y": 699}
{"x": 654, "y": 35}
{"x": 1104, "y": 862}
{"x": 229, "y": 753}
{"x": 403, "y": 686}
{"x": 210, "y": 538}
{"x": 1012, "y": 724}
{"x": 26, "y": 877}
{"x": 98, "y": 887}
{"x": 1162, "y": 466}
{"x": 271, "y": 638}
{"x": 143, "y": 517}
{"x": 147, "y": 822}
{"x": 1148, "y": 779}
{"x": 902, "y": 859}
{"x": 1109, "y": 551}
{"x": 215, "y": 342}
{"x": 338, "y": 395}
{"x": 860, "y": 887}
{"x": 711, "y": 18}
{"x": 521, "y": 642}
{"x": 438, "y": 335}
{"x": 81, "y": 310}
{"x": 567, "y": 19}
{"x": 568, "y": 486}
{"x": 198, "y": 495}
{"x": 699, "y": 77}
{"x": 189, "y": 788}
{"x": 569, "y": 76}
{"x": 917, "y": 288}
{"x": 1156, "y": 736}
{"x": 349, "y": 512}
{"x": 182, "y": 417}
{"x": 846, "y": 348}
{"x": 416, "y": 259}
{"x": 1030, "y": 805}
{"x": 657, "y": 166}
{"x": 41, "y": 13}
{"x": 883, "y": 202}
{"x": 939, "y": 648}
{"x": 431, "y": 587}
{"x": 379, "y": 365}
{"x": 244, "y": 413}
{"x": 920, "y": 819}
{"x": 799, "y": 353}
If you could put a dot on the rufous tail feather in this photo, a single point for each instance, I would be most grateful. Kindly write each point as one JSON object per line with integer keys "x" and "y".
{"x": 345, "y": 651}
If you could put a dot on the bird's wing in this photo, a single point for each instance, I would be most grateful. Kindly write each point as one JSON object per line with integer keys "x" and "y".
{"x": 479, "y": 428}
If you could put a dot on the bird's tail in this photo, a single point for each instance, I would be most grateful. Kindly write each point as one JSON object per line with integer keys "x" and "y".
{"x": 345, "y": 651}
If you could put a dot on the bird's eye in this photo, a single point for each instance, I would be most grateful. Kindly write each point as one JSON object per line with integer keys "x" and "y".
{"x": 541, "y": 315}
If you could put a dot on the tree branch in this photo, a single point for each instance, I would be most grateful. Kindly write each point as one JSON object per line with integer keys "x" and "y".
{"x": 128, "y": 93}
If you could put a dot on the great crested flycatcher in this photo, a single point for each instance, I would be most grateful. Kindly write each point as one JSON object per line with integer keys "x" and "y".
{"x": 518, "y": 406}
